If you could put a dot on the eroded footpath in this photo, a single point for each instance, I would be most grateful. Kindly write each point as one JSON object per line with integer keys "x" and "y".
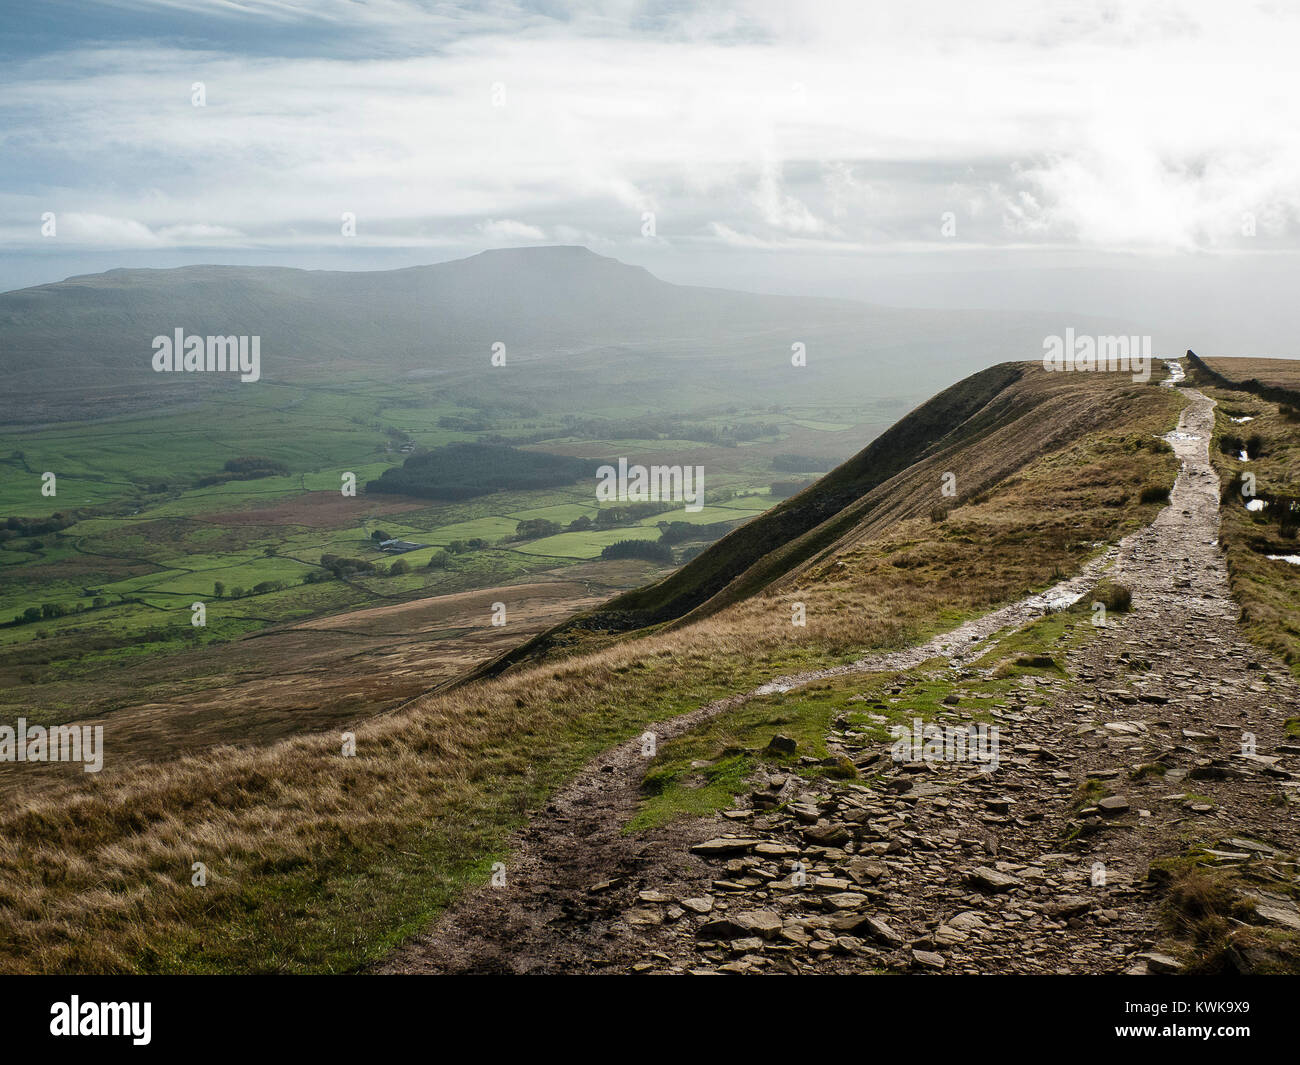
{"x": 1168, "y": 733}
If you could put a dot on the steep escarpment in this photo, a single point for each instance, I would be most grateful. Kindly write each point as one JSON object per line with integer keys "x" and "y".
{"x": 980, "y": 431}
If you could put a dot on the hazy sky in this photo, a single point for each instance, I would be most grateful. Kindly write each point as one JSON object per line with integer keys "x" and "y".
{"x": 1137, "y": 156}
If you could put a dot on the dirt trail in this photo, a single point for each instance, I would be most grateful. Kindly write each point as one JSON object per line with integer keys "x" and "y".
{"x": 940, "y": 865}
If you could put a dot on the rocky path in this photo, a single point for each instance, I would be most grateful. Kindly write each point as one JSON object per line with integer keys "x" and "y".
{"x": 1038, "y": 866}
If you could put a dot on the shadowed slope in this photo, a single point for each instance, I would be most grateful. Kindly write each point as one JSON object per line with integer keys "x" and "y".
{"x": 982, "y": 430}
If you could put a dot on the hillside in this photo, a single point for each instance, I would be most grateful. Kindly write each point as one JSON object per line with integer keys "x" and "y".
{"x": 1277, "y": 380}
{"x": 1255, "y": 450}
{"x": 981, "y": 430}
{"x": 572, "y": 323}
{"x": 346, "y": 857}
{"x": 1092, "y": 780}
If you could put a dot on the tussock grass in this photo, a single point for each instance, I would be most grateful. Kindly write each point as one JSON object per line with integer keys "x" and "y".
{"x": 1210, "y": 920}
{"x": 1268, "y": 591}
{"x": 1114, "y": 596}
{"x": 322, "y": 863}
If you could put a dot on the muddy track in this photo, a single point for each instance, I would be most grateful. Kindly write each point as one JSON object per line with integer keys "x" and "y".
{"x": 895, "y": 888}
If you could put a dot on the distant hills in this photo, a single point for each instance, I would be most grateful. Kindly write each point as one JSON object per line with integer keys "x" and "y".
{"x": 572, "y": 323}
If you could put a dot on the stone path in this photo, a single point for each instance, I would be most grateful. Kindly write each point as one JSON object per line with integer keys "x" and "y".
{"x": 941, "y": 866}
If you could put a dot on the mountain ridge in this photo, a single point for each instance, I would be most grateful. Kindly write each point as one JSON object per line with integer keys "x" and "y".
{"x": 568, "y": 318}
{"x": 1015, "y": 408}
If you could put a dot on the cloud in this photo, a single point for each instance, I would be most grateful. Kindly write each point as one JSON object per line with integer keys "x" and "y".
{"x": 1156, "y": 124}
{"x": 731, "y": 237}
{"x": 1124, "y": 192}
{"x": 779, "y": 210}
{"x": 508, "y": 229}
{"x": 80, "y": 228}
{"x": 199, "y": 233}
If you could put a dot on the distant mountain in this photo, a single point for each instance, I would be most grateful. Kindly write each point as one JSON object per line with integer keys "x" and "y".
{"x": 571, "y": 322}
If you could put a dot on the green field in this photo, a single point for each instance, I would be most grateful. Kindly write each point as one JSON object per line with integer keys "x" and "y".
{"x": 146, "y": 540}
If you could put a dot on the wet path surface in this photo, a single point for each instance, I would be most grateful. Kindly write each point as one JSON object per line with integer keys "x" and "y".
{"x": 941, "y": 866}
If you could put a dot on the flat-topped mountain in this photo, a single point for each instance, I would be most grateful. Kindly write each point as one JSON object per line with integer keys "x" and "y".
{"x": 569, "y": 319}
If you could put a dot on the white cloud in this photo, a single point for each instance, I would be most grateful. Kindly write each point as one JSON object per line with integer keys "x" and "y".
{"x": 1154, "y": 124}
{"x": 199, "y": 233}
{"x": 780, "y": 210}
{"x": 729, "y": 236}
{"x": 79, "y": 228}
{"x": 97, "y": 230}
{"x": 508, "y": 229}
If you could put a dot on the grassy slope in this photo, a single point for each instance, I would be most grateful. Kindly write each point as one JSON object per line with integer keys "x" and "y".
{"x": 1267, "y": 590}
{"x": 899, "y": 475}
{"x": 319, "y": 863}
{"x": 148, "y": 554}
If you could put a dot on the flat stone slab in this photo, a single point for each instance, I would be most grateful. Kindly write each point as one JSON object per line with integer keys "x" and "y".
{"x": 986, "y": 879}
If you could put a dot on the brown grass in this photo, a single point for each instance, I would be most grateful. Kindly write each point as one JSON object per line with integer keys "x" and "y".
{"x": 319, "y": 862}
{"x": 1210, "y": 920}
{"x": 1267, "y": 591}
{"x": 1279, "y": 373}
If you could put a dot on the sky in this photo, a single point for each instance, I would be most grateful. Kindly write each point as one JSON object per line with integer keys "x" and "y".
{"x": 1138, "y": 158}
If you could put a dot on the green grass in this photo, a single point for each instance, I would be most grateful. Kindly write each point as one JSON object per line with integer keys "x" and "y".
{"x": 322, "y": 863}
{"x": 704, "y": 516}
{"x": 1089, "y": 793}
{"x": 1030, "y": 649}
{"x": 587, "y": 544}
{"x": 732, "y": 744}
{"x": 149, "y": 533}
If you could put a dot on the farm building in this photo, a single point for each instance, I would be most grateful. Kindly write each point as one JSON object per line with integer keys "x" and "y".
{"x": 398, "y": 547}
